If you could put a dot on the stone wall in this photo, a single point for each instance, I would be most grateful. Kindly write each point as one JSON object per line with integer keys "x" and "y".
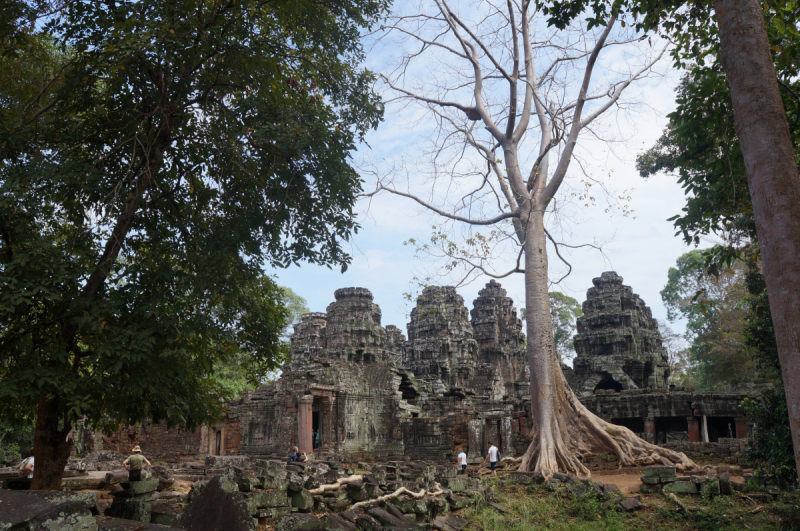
{"x": 158, "y": 443}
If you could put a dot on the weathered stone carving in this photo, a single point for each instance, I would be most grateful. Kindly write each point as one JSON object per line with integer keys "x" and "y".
{"x": 618, "y": 345}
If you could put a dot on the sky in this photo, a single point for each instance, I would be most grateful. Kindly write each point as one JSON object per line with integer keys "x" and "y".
{"x": 641, "y": 246}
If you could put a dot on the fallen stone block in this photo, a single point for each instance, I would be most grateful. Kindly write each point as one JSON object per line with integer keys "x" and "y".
{"x": 137, "y": 509}
{"x": 725, "y": 486}
{"x": 222, "y": 461}
{"x": 388, "y": 519}
{"x": 216, "y": 509}
{"x": 105, "y": 523}
{"x": 299, "y": 522}
{"x": 23, "y": 510}
{"x": 660, "y": 471}
{"x": 303, "y": 500}
{"x": 164, "y": 513}
{"x": 140, "y": 487}
{"x": 681, "y": 487}
{"x": 630, "y": 505}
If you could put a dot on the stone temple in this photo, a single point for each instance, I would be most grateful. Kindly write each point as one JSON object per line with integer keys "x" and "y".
{"x": 459, "y": 379}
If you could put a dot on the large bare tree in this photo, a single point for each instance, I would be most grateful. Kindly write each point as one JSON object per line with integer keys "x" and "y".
{"x": 510, "y": 99}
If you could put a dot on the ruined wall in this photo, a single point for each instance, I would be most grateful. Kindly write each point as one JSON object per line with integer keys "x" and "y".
{"x": 158, "y": 443}
{"x": 618, "y": 345}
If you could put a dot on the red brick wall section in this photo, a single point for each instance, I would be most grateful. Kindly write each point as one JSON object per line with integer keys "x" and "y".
{"x": 157, "y": 442}
{"x": 233, "y": 437}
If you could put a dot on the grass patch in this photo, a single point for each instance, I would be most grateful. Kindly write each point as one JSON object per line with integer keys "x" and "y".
{"x": 536, "y": 508}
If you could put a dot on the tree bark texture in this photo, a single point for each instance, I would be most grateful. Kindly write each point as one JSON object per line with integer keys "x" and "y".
{"x": 564, "y": 431}
{"x": 772, "y": 178}
{"x": 50, "y": 446}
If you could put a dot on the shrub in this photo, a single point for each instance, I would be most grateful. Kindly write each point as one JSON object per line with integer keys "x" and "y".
{"x": 771, "y": 450}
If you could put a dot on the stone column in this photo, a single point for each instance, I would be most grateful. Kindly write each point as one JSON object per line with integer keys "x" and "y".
{"x": 650, "y": 430}
{"x": 694, "y": 429}
{"x": 326, "y": 424}
{"x": 741, "y": 428}
{"x": 475, "y": 431}
{"x": 304, "y": 432}
{"x": 507, "y": 437}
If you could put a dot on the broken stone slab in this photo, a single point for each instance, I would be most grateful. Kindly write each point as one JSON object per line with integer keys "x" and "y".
{"x": 164, "y": 513}
{"x": 140, "y": 487}
{"x": 300, "y": 522}
{"x": 23, "y": 510}
{"x": 660, "y": 471}
{"x": 725, "y": 486}
{"x": 261, "y": 499}
{"x": 681, "y": 487}
{"x": 105, "y": 523}
{"x": 248, "y": 484}
{"x": 217, "y": 509}
{"x": 303, "y": 500}
{"x": 115, "y": 477}
{"x": 388, "y": 519}
{"x": 222, "y": 461}
{"x": 630, "y": 505}
{"x": 137, "y": 509}
{"x": 58, "y": 497}
{"x": 335, "y": 522}
{"x": 711, "y": 487}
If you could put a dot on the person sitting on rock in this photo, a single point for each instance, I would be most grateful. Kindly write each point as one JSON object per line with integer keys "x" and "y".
{"x": 135, "y": 464}
{"x": 294, "y": 454}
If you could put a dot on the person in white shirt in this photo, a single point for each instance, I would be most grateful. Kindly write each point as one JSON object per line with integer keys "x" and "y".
{"x": 494, "y": 457}
{"x": 27, "y": 465}
{"x": 461, "y": 461}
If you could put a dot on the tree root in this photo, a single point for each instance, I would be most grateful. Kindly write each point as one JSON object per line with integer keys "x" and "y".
{"x": 576, "y": 432}
{"x": 398, "y": 492}
{"x": 335, "y": 486}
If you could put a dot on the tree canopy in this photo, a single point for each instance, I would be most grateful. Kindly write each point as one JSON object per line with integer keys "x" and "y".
{"x": 155, "y": 156}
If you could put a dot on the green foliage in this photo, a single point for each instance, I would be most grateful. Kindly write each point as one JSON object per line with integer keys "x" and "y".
{"x": 770, "y": 448}
{"x": 715, "y": 309}
{"x": 238, "y": 375}
{"x": 155, "y": 156}
{"x": 564, "y": 312}
{"x": 15, "y": 441}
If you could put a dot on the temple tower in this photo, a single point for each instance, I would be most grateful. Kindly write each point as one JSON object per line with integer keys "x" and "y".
{"x": 618, "y": 344}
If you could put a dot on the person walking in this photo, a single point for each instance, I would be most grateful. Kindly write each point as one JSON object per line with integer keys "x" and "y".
{"x": 461, "y": 461}
{"x": 493, "y": 456}
{"x": 135, "y": 464}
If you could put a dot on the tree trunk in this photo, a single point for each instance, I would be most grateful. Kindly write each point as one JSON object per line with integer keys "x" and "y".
{"x": 564, "y": 431}
{"x": 50, "y": 446}
{"x": 772, "y": 178}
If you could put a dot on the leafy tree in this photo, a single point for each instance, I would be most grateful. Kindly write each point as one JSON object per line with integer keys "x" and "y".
{"x": 564, "y": 312}
{"x": 771, "y": 448}
{"x": 152, "y": 163}
{"x": 681, "y": 368}
{"x": 236, "y": 374}
{"x": 715, "y": 312}
{"x": 742, "y": 35}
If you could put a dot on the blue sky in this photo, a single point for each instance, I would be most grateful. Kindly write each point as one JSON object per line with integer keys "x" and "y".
{"x": 642, "y": 244}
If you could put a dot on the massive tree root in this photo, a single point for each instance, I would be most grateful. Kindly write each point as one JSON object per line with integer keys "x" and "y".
{"x": 565, "y": 430}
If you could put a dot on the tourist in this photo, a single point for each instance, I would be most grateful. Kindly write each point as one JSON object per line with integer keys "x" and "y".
{"x": 494, "y": 457}
{"x": 293, "y": 455}
{"x": 302, "y": 458}
{"x": 26, "y": 466}
{"x": 461, "y": 461}
{"x": 316, "y": 440}
{"x": 135, "y": 464}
